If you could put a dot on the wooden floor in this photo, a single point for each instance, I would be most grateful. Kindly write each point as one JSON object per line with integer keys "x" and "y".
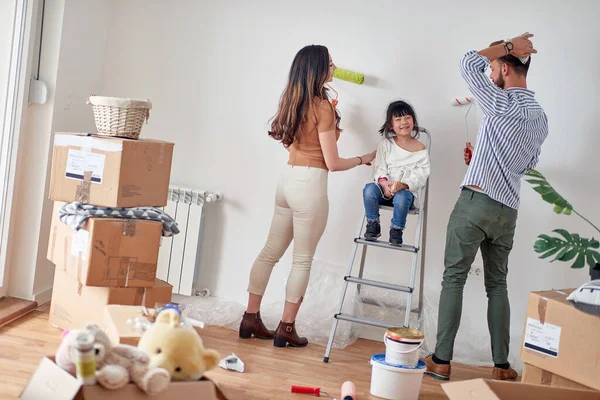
{"x": 269, "y": 372}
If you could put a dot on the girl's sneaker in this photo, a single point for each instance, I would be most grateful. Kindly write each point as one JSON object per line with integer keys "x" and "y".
{"x": 395, "y": 237}
{"x": 373, "y": 230}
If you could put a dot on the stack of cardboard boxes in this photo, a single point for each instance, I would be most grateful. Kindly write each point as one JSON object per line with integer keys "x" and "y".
{"x": 109, "y": 264}
{"x": 109, "y": 260}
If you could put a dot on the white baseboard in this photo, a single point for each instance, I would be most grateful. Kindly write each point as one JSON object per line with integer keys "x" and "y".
{"x": 43, "y": 297}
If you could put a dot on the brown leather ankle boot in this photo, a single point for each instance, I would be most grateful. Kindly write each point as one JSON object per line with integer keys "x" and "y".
{"x": 252, "y": 325}
{"x": 286, "y": 334}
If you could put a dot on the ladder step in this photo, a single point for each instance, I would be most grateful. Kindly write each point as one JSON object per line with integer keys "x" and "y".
{"x": 413, "y": 211}
{"x": 385, "y": 245}
{"x": 384, "y": 285}
{"x": 366, "y": 321}
{"x": 373, "y": 302}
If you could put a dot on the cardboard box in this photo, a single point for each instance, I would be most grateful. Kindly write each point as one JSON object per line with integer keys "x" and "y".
{"x": 560, "y": 339}
{"x": 73, "y": 304}
{"x": 108, "y": 252}
{"x": 115, "y": 323}
{"x": 110, "y": 172}
{"x": 537, "y": 376}
{"x": 50, "y": 382}
{"x": 483, "y": 389}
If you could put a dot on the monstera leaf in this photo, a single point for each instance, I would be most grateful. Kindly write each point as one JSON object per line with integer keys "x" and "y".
{"x": 541, "y": 185}
{"x": 569, "y": 247}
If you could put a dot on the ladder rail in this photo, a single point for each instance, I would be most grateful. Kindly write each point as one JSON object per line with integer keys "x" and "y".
{"x": 343, "y": 294}
{"x": 423, "y": 226}
{"x": 413, "y": 269}
{"x": 422, "y": 252}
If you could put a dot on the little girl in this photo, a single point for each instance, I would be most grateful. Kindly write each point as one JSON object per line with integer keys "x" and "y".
{"x": 401, "y": 169}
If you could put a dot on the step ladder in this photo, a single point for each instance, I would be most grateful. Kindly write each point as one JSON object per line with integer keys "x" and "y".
{"x": 420, "y": 210}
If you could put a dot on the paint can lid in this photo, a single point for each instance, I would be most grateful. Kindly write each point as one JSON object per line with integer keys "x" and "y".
{"x": 404, "y": 333}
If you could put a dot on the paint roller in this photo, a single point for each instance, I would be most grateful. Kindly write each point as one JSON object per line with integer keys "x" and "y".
{"x": 461, "y": 101}
{"x": 348, "y": 391}
{"x": 349, "y": 76}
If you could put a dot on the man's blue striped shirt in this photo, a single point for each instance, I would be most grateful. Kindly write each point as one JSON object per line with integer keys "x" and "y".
{"x": 510, "y": 137}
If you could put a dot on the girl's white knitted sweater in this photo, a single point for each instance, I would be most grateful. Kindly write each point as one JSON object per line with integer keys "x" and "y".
{"x": 397, "y": 164}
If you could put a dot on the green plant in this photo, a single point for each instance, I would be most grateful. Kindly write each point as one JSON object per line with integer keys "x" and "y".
{"x": 565, "y": 246}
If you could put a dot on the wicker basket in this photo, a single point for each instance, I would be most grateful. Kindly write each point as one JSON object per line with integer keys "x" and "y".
{"x": 119, "y": 117}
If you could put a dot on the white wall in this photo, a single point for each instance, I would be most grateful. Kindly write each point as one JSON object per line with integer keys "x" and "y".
{"x": 85, "y": 28}
{"x": 71, "y": 61}
{"x": 215, "y": 73}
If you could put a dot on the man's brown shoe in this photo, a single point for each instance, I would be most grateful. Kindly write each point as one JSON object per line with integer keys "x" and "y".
{"x": 438, "y": 371}
{"x": 504, "y": 374}
{"x": 252, "y": 325}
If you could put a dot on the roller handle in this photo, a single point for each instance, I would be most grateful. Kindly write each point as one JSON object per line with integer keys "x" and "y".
{"x": 468, "y": 154}
{"x": 306, "y": 390}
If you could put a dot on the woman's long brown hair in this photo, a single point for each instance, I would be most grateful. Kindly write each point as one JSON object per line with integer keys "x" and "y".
{"x": 308, "y": 75}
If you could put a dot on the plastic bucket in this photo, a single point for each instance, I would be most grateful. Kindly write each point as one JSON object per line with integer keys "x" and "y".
{"x": 394, "y": 382}
{"x": 402, "y": 346}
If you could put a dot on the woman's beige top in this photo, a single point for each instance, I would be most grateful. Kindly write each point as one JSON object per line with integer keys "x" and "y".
{"x": 306, "y": 150}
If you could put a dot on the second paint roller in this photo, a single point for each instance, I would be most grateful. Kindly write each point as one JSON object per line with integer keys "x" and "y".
{"x": 349, "y": 76}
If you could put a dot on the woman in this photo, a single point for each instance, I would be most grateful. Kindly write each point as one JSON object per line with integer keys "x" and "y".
{"x": 308, "y": 126}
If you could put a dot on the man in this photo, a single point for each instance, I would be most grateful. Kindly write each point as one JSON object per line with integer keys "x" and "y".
{"x": 513, "y": 129}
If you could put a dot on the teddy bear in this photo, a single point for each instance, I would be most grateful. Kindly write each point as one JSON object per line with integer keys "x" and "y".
{"x": 176, "y": 347}
{"x": 116, "y": 366}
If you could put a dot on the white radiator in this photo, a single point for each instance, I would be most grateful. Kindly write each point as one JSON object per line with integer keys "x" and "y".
{"x": 179, "y": 255}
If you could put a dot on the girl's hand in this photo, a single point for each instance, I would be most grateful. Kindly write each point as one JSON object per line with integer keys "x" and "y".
{"x": 367, "y": 158}
{"x": 385, "y": 185}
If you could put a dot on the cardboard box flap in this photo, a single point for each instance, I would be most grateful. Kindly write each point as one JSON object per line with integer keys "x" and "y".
{"x": 116, "y": 324}
{"x": 483, "y": 389}
{"x": 50, "y": 382}
{"x": 471, "y": 389}
{"x": 543, "y": 297}
{"x": 205, "y": 390}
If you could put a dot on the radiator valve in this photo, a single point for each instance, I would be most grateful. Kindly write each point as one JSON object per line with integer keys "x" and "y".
{"x": 214, "y": 197}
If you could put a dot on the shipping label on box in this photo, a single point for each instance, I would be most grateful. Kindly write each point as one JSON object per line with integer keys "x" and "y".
{"x": 110, "y": 252}
{"x": 543, "y": 338}
{"x": 109, "y": 171}
{"x": 79, "y": 162}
